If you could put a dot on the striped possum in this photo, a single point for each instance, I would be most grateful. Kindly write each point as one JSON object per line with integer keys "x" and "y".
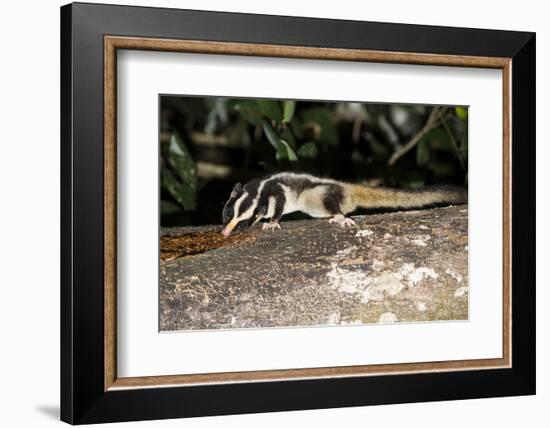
{"x": 275, "y": 195}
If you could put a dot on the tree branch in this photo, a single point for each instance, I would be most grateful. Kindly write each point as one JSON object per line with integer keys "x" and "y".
{"x": 432, "y": 122}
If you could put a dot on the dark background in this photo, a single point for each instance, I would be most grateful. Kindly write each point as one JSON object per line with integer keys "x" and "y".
{"x": 210, "y": 143}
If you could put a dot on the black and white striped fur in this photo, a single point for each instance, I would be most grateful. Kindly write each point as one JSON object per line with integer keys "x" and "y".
{"x": 273, "y": 196}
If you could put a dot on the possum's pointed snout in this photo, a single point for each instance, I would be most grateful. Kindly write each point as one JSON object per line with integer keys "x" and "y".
{"x": 229, "y": 228}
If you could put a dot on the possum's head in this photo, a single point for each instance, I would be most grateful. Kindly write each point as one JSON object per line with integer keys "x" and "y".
{"x": 239, "y": 207}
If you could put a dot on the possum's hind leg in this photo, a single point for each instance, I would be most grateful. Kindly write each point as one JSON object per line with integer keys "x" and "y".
{"x": 333, "y": 203}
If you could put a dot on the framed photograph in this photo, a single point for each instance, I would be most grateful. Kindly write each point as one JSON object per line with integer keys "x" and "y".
{"x": 265, "y": 213}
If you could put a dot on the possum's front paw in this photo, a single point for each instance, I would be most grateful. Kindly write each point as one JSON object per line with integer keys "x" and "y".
{"x": 271, "y": 226}
{"x": 342, "y": 221}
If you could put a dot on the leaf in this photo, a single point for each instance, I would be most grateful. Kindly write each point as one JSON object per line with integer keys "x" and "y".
{"x": 288, "y": 136}
{"x": 438, "y": 139}
{"x": 175, "y": 147}
{"x": 271, "y": 134}
{"x": 320, "y": 118}
{"x": 182, "y": 162}
{"x": 211, "y": 122}
{"x": 218, "y": 113}
{"x": 461, "y": 112}
{"x": 249, "y": 111}
{"x": 276, "y": 142}
{"x": 308, "y": 150}
{"x": 182, "y": 193}
{"x": 291, "y": 154}
{"x": 179, "y": 177}
{"x": 281, "y": 154}
{"x": 288, "y": 110}
{"x": 221, "y": 109}
{"x": 271, "y": 109}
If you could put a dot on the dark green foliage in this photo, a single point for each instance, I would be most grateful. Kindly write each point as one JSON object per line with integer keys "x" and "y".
{"x": 178, "y": 176}
{"x": 308, "y": 150}
{"x": 249, "y": 111}
{"x": 271, "y": 109}
{"x": 288, "y": 110}
{"x": 321, "y": 125}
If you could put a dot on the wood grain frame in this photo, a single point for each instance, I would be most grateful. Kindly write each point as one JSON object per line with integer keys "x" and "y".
{"x": 114, "y": 43}
{"x": 90, "y": 36}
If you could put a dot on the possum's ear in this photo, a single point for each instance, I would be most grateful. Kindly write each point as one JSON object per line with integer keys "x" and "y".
{"x": 237, "y": 189}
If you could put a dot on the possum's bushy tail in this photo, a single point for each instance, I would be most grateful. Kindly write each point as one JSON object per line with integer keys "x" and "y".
{"x": 366, "y": 197}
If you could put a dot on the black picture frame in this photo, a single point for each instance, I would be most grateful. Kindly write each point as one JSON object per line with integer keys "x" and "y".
{"x": 83, "y": 397}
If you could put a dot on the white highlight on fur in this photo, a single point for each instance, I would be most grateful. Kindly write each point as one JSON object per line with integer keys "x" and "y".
{"x": 291, "y": 203}
{"x": 305, "y": 176}
{"x": 248, "y": 213}
{"x": 310, "y": 201}
{"x": 271, "y": 207}
{"x": 237, "y": 205}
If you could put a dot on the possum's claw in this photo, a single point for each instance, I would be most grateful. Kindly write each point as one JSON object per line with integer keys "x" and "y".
{"x": 342, "y": 221}
{"x": 271, "y": 226}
